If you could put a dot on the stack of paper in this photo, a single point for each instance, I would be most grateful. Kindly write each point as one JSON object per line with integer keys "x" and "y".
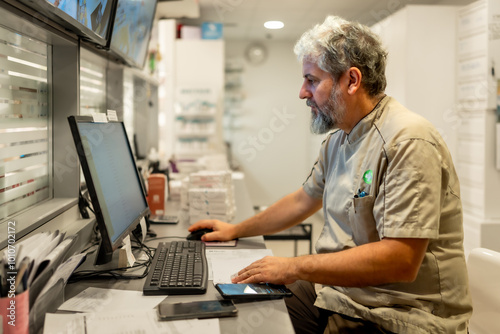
{"x": 136, "y": 321}
{"x": 30, "y": 257}
{"x": 33, "y": 265}
{"x": 175, "y": 187}
{"x": 120, "y": 311}
{"x": 223, "y": 263}
{"x": 184, "y": 194}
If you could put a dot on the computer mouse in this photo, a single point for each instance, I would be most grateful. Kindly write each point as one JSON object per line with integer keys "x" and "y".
{"x": 196, "y": 235}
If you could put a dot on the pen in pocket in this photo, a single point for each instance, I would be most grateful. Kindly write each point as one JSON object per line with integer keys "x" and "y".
{"x": 360, "y": 194}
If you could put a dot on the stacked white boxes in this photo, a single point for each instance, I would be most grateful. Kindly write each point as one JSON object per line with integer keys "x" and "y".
{"x": 211, "y": 196}
{"x": 184, "y": 194}
{"x": 175, "y": 187}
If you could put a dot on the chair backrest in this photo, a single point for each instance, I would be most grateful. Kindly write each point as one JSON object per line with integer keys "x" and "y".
{"x": 484, "y": 280}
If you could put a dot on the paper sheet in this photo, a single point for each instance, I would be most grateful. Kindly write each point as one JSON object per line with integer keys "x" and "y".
{"x": 57, "y": 253}
{"x": 127, "y": 245}
{"x": 223, "y": 263}
{"x": 139, "y": 322}
{"x": 36, "y": 248}
{"x": 125, "y": 322}
{"x": 64, "y": 271}
{"x": 98, "y": 299}
{"x": 64, "y": 323}
{"x": 144, "y": 229}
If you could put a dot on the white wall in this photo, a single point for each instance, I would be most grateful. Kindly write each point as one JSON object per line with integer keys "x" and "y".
{"x": 421, "y": 64}
{"x": 273, "y": 142}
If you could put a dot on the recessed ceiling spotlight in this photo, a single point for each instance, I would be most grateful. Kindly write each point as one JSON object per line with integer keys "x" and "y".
{"x": 274, "y": 24}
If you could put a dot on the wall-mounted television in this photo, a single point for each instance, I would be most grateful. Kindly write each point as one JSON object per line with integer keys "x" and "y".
{"x": 89, "y": 19}
{"x": 132, "y": 30}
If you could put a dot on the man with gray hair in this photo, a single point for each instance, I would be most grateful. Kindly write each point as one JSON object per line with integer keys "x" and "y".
{"x": 390, "y": 257}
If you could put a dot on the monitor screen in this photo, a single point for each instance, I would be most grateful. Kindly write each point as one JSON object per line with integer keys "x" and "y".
{"x": 90, "y": 19}
{"x": 112, "y": 178}
{"x": 132, "y": 30}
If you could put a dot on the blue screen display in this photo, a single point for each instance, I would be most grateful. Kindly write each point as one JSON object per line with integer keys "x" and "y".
{"x": 93, "y": 14}
{"x": 132, "y": 29}
{"x": 114, "y": 175}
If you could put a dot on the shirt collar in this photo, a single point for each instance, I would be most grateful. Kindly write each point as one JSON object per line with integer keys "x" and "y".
{"x": 365, "y": 124}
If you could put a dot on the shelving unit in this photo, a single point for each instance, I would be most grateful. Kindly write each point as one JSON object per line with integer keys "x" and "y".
{"x": 191, "y": 95}
{"x": 196, "y": 119}
{"x": 234, "y": 96}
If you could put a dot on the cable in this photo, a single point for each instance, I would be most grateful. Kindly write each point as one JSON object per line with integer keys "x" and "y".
{"x": 118, "y": 273}
{"x": 82, "y": 205}
{"x": 115, "y": 273}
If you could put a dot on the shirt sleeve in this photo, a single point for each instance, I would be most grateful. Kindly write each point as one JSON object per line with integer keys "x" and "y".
{"x": 412, "y": 191}
{"x": 315, "y": 182}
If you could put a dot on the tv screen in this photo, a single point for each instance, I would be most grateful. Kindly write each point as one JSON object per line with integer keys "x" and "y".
{"x": 90, "y": 19}
{"x": 132, "y": 30}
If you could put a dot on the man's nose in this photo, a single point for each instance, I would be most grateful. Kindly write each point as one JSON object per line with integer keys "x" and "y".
{"x": 304, "y": 93}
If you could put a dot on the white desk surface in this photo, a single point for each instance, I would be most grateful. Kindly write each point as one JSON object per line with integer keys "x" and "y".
{"x": 253, "y": 317}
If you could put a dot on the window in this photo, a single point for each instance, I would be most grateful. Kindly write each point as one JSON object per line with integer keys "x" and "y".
{"x": 38, "y": 90}
{"x": 25, "y": 157}
{"x": 92, "y": 87}
{"x": 92, "y": 83}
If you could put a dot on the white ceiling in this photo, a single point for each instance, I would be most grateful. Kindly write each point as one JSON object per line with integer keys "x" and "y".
{"x": 244, "y": 19}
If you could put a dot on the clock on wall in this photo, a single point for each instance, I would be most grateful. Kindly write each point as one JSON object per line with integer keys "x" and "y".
{"x": 256, "y": 54}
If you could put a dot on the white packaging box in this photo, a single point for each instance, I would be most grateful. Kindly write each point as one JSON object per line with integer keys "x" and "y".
{"x": 190, "y": 32}
{"x": 217, "y": 208}
{"x": 210, "y": 177}
{"x": 194, "y": 218}
{"x": 209, "y": 194}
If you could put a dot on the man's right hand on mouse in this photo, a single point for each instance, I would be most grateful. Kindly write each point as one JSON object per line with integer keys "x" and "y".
{"x": 221, "y": 231}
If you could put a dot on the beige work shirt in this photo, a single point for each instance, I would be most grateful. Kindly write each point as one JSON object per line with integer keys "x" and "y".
{"x": 393, "y": 176}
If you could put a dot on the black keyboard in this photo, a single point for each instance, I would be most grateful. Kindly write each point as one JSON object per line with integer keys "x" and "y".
{"x": 178, "y": 268}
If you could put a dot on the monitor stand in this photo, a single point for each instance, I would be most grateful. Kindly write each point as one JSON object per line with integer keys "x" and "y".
{"x": 101, "y": 260}
{"x": 112, "y": 260}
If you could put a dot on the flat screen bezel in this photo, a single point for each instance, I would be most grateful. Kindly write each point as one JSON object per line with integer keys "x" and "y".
{"x": 124, "y": 57}
{"x": 106, "y": 243}
{"x": 67, "y": 21}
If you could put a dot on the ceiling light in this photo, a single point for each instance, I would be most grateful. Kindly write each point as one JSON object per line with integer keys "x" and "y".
{"x": 274, "y": 24}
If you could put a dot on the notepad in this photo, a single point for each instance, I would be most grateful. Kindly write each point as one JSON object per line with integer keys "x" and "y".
{"x": 143, "y": 321}
{"x": 97, "y": 299}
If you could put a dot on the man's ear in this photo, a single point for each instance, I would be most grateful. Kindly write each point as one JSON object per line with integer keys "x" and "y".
{"x": 354, "y": 80}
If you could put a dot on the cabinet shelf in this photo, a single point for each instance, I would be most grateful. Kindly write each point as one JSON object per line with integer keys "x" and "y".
{"x": 203, "y": 116}
{"x": 200, "y": 134}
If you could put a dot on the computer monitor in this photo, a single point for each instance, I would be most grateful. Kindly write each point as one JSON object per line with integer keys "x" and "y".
{"x": 90, "y": 19}
{"x": 132, "y": 30}
{"x": 112, "y": 178}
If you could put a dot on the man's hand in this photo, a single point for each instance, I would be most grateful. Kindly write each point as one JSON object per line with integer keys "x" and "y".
{"x": 221, "y": 231}
{"x": 389, "y": 260}
{"x": 270, "y": 269}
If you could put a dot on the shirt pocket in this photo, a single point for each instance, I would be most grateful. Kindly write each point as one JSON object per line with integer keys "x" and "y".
{"x": 362, "y": 221}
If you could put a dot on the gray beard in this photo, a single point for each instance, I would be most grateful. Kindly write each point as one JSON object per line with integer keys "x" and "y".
{"x": 321, "y": 123}
{"x": 330, "y": 115}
